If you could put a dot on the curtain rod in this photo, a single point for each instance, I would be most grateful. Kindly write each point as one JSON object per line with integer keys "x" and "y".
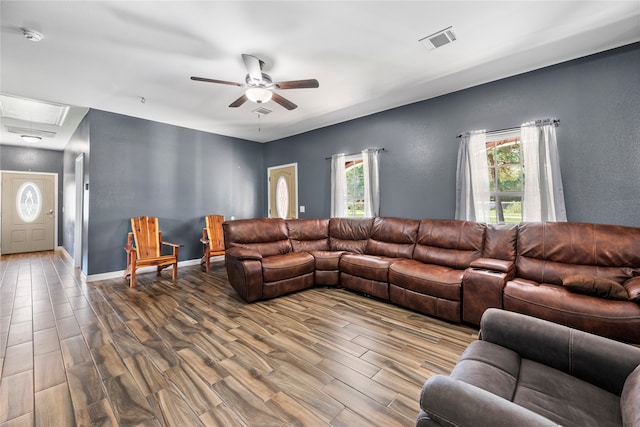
{"x": 554, "y": 121}
{"x": 353, "y": 154}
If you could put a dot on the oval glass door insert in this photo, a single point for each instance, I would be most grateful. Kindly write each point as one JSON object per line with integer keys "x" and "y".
{"x": 282, "y": 197}
{"x": 28, "y": 202}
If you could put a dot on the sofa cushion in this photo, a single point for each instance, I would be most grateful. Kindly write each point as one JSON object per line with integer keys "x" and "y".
{"x": 633, "y": 288}
{"x": 615, "y": 319}
{"x": 594, "y": 285}
{"x": 392, "y": 237}
{"x": 428, "y": 279}
{"x": 327, "y": 260}
{"x": 268, "y": 236}
{"x": 366, "y": 266}
{"x": 281, "y": 267}
{"x": 349, "y": 234}
{"x": 450, "y": 243}
{"x": 308, "y": 235}
{"x": 629, "y": 404}
{"x": 549, "y": 251}
{"x": 565, "y": 399}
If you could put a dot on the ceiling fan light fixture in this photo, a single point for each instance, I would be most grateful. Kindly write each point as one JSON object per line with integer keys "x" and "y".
{"x": 259, "y": 95}
{"x": 30, "y": 138}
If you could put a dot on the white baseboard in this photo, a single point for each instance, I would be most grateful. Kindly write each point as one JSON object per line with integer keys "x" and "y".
{"x": 119, "y": 274}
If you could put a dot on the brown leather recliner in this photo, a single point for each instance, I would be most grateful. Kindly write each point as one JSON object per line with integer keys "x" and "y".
{"x": 547, "y": 253}
{"x": 260, "y": 259}
{"x": 431, "y": 281}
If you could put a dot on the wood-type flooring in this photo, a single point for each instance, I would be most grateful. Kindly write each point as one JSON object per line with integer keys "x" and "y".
{"x": 192, "y": 353}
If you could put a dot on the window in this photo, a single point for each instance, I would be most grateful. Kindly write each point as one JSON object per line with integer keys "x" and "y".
{"x": 355, "y": 188}
{"x": 354, "y": 171}
{"x": 506, "y": 178}
{"x": 523, "y": 182}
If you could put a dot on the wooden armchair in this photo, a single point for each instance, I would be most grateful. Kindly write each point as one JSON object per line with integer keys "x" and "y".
{"x": 147, "y": 251}
{"x": 212, "y": 240}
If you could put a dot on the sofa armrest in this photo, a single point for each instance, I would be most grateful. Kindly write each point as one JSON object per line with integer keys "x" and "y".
{"x": 241, "y": 254}
{"x": 451, "y": 402}
{"x": 600, "y": 361}
{"x": 493, "y": 264}
{"x": 482, "y": 289}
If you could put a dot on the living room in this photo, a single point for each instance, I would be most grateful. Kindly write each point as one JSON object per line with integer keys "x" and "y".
{"x": 137, "y": 166}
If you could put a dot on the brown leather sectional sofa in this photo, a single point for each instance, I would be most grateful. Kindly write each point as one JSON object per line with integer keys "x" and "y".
{"x": 453, "y": 270}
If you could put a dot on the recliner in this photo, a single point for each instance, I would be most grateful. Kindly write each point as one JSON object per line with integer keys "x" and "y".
{"x": 524, "y": 371}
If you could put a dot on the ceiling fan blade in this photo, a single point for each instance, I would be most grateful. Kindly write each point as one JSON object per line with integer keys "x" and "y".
{"x": 254, "y": 66}
{"x": 298, "y": 84}
{"x": 224, "y": 82}
{"x": 238, "y": 102}
{"x": 284, "y": 102}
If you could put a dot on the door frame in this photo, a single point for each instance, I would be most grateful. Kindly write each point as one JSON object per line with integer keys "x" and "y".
{"x": 77, "y": 232}
{"x": 55, "y": 201}
{"x": 295, "y": 168}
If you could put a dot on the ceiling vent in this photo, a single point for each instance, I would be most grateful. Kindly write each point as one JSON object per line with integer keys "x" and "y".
{"x": 262, "y": 110}
{"x": 438, "y": 39}
{"x": 32, "y": 132}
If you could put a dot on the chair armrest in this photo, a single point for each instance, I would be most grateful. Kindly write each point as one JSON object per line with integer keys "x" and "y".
{"x": 600, "y": 361}
{"x": 455, "y": 403}
{"x": 129, "y": 248}
{"x": 243, "y": 253}
{"x": 174, "y": 245}
{"x": 204, "y": 241}
{"x": 493, "y": 264}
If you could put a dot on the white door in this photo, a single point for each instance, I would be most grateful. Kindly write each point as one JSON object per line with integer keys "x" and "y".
{"x": 28, "y": 212}
{"x": 283, "y": 191}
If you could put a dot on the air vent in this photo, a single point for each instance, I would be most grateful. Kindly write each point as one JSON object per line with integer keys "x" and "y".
{"x": 31, "y": 132}
{"x": 262, "y": 110}
{"x": 438, "y": 39}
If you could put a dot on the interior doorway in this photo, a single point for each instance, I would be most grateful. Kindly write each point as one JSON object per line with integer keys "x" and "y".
{"x": 29, "y": 211}
{"x": 283, "y": 191}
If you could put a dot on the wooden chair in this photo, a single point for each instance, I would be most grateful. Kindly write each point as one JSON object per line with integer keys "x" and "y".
{"x": 147, "y": 251}
{"x": 212, "y": 240}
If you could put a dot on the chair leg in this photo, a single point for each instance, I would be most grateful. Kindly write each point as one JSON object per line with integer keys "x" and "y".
{"x": 174, "y": 273}
{"x": 207, "y": 259}
{"x": 132, "y": 279}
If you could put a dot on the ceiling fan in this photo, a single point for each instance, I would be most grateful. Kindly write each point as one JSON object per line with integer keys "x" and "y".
{"x": 260, "y": 86}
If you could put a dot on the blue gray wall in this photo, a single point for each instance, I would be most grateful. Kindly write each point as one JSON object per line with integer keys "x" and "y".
{"x": 21, "y": 159}
{"x": 596, "y": 98}
{"x": 140, "y": 167}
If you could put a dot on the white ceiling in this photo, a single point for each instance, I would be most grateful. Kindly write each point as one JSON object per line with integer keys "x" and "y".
{"x": 366, "y": 55}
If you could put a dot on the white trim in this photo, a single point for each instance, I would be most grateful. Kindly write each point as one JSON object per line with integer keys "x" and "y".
{"x": 79, "y": 211}
{"x": 118, "y": 274}
{"x": 55, "y": 201}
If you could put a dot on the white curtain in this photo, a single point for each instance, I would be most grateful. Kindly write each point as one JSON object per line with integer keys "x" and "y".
{"x": 338, "y": 187}
{"x": 543, "y": 198}
{"x": 472, "y": 178}
{"x": 370, "y": 164}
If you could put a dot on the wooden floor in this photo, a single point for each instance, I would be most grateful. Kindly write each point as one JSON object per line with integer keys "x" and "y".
{"x": 192, "y": 353}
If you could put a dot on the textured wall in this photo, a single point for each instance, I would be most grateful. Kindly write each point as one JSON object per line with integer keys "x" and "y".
{"x": 596, "y": 98}
{"x": 140, "y": 167}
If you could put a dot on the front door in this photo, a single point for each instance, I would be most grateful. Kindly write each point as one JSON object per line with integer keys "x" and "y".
{"x": 28, "y": 212}
{"x": 283, "y": 191}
